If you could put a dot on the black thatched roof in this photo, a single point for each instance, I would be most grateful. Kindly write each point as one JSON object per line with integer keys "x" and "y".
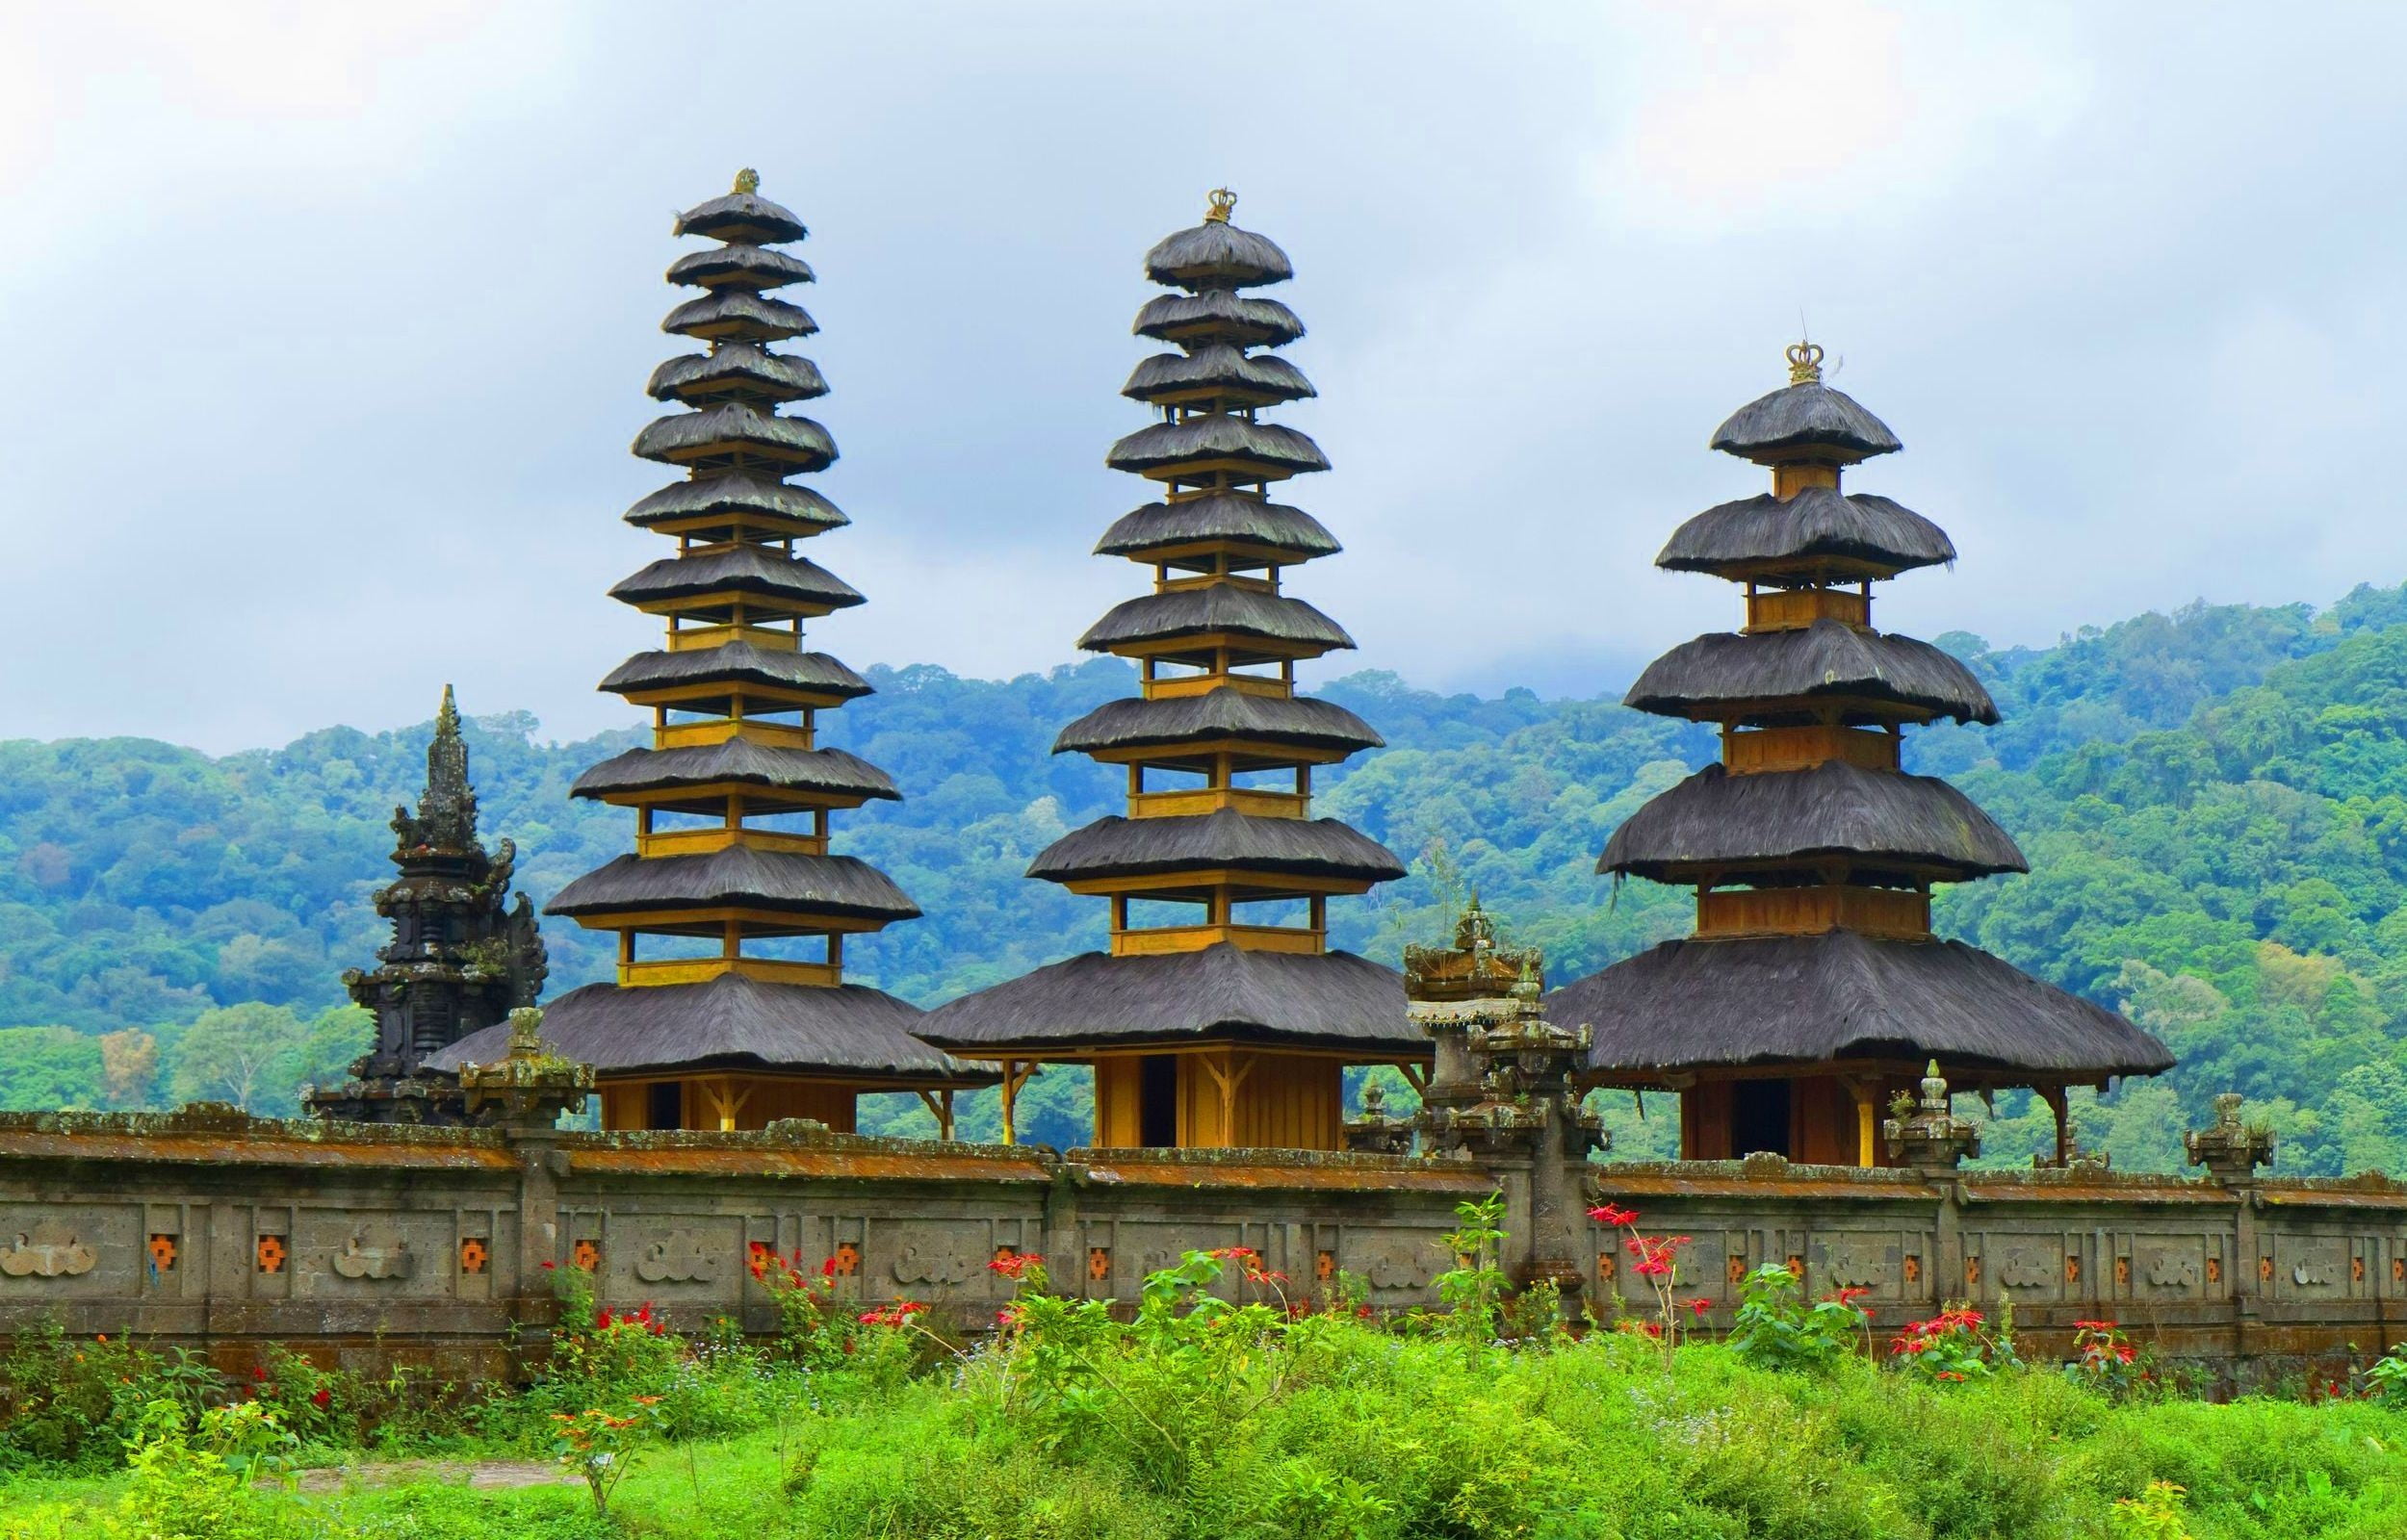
{"x": 1217, "y": 254}
{"x": 733, "y": 664}
{"x": 746, "y": 570}
{"x": 741, "y": 216}
{"x": 1221, "y": 713}
{"x": 1220, "y": 316}
{"x": 1212, "y": 437}
{"x": 1819, "y": 521}
{"x": 1813, "y": 998}
{"x": 1826, "y": 658}
{"x": 744, "y": 366}
{"x": 1900, "y": 822}
{"x": 733, "y": 1022}
{"x": 741, "y": 316}
{"x": 1126, "y": 847}
{"x": 731, "y": 427}
{"x": 1261, "y": 377}
{"x": 738, "y": 875}
{"x": 1808, "y": 415}
{"x": 1334, "y": 1000}
{"x": 1221, "y": 607}
{"x": 740, "y": 759}
{"x": 737, "y": 492}
{"x": 743, "y": 265}
{"x": 1218, "y": 515}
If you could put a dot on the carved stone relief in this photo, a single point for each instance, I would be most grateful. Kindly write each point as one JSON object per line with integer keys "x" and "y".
{"x": 48, "y": 1248}
{"x": 945, "y": 1257}
{"x": 678, "y": 1257}
{"x": 375, "y": 1250}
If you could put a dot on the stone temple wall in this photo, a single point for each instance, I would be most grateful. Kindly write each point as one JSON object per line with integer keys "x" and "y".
{"x": 371, "y": 1244}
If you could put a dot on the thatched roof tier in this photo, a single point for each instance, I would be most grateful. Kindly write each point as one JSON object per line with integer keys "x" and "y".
{"x": 1811, "y": 999}
{"x": 735, "y": 1022}
{"x": 744, "y": 218}
{"x": 1220, "y": 516}
{"x": 831, "y": 772}
{"x": 743, "y": 569}
{"x": 1808, "y": 421}
{"x": 1820, "y": 523}
{"x": 737, "y": 367}
{"x": 1716, "y": 674}
{"x": 1217, "y": 255}
{"x": 734, "y": 428}
{"x": 736, "y": 877}
{"x": 739, "y": 315}
{"x": 1217, "y": 715}
{"x": 739, "y": 493}
{"x": 1217, "y": 436}
{"x": 1300, "y": 847}
{"x": 1882, "y": 821}
{"x": 740, "y": 266}
{"x": 1336, "y": 1000}
{"x": 1260, "y": 378}
{"x": 1223, "y": 609}
{"x": 1218, "y": 315}
{"x": 737, "y": 663}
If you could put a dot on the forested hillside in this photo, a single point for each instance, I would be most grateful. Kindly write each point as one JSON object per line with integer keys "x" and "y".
{"x": 2216, "y": 803}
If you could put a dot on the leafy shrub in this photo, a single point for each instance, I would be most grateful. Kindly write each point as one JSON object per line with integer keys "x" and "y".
{"x": 74, "y": 1402}
{"x": 1776, "y": 1329}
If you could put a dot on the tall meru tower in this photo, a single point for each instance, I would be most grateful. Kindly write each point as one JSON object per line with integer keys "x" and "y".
{"x": 1220, "y": 1016}
{"x": 730, "y": 1007}
{"x": 1813, "y": 988}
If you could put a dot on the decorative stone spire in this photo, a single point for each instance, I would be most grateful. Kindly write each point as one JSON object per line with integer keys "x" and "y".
{"x": 461, "y": 958}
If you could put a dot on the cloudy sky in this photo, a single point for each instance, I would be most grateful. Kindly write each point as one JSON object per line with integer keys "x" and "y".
{"x": 327, "y": 326}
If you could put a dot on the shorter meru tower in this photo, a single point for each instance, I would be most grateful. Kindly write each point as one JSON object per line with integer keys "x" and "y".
{"x": 1813, "y": 990}
{"x": 461, "y": 958}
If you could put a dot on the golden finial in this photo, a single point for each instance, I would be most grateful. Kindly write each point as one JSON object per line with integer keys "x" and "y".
{"x": 1223, "y": 200}
{"x": 747, "y": 180}
{"x": 1805, "y": 363}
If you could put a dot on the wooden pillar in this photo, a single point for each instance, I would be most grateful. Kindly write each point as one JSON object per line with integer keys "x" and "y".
{"x": 2059, "y": 1104}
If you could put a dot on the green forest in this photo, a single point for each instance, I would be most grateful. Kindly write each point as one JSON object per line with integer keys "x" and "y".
{"x": 2215, "y": 804}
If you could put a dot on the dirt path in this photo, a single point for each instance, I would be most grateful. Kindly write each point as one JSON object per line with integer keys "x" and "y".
{"x": 484, "y": 1473}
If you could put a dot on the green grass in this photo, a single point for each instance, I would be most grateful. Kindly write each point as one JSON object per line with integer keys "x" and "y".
{"x": 1358, "y": 1434}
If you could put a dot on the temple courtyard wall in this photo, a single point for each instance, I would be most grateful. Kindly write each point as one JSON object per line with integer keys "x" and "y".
{"x": 370, "y": 1245}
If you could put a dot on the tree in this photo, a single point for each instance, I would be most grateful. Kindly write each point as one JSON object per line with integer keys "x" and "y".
{"x": 234, "y": 1054}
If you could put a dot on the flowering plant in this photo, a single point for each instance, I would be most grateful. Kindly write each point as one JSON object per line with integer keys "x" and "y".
{"x": 599, "y": 1446}
{"x": 1950, "y": 1348}
{"x": 1657, "y": 1263}
{"x": 2104, "y": 1358}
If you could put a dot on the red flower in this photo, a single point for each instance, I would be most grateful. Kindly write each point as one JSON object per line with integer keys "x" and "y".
{"x": 1609, "y": 1213}
{"x": 1364, "y": 1312}
{"x": 258, "y": 1373}
{"x": 321, "y": 1397}
{"x": 1698, "y": 1306}
{"x": 1849, "y": 1294}
{"x": 827, "y": 1269}
{"x": 2093, "y": 1326}
{"x": 1016, "y": 1266}
{"x": 549, "y": 1266}
{"x": 1946, "y": 1374}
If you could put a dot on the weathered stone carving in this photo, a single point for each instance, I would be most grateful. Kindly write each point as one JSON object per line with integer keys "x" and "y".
{"x": 49, "y": 1249}
{"x": 1856, "y": 1264}
{"x": 375, "y": 1250}
{"x": 927, "y": 1258}
{"x": 2319, "y": 1268}
{"x": 678, "y": 1257}
{"x": 2229, "y": 1150}
{"x": 2024, "y": 1268}
{"x": 2168, "y": 1267}
{"x": 1399, "y": 1263}
{"x": 1925, "y": 1134}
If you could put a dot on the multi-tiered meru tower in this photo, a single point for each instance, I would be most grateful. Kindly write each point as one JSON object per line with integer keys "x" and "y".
{"x": 1813, "y": 988}
{"x": 730, "y": 1007}
{"x": 1220, "y": 1016}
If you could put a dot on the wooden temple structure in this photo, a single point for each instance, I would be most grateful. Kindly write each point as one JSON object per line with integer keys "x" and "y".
{"x": 1813, "y": 990}
{"x": 730, "y": 1007}
{"x": 1218, "y": 1018}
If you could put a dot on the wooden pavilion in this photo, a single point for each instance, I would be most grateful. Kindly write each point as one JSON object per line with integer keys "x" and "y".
{"x": 1813, "y": 990}
{"x": 730, "y": 1007}
{"x": 1220, "y": 1016}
